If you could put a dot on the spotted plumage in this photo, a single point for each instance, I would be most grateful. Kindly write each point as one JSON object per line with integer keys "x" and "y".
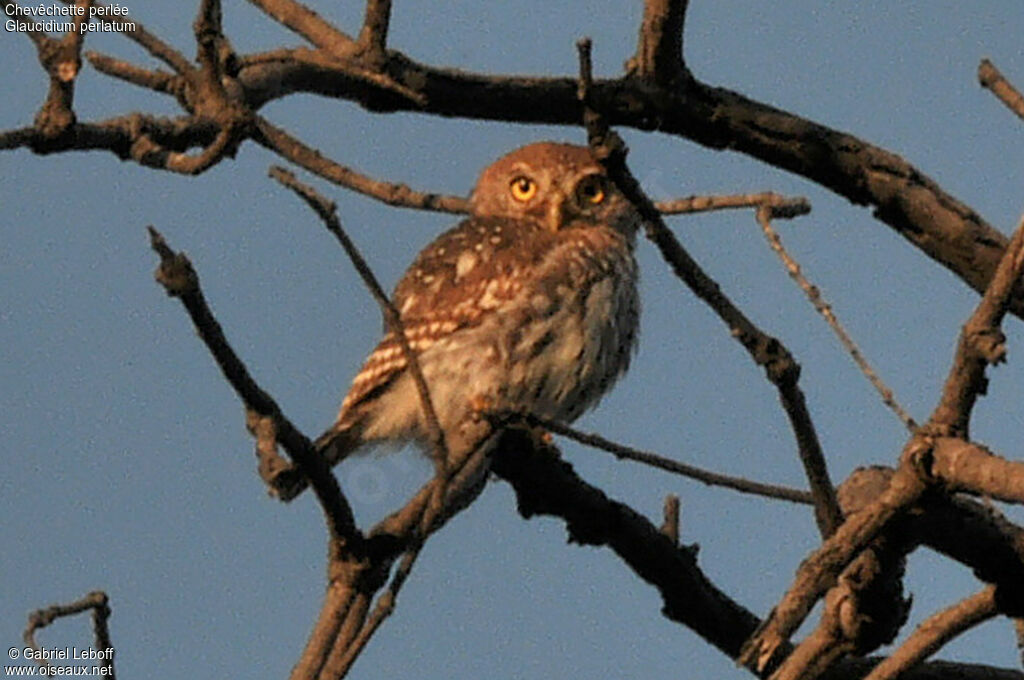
{"x": 529, "y": 304}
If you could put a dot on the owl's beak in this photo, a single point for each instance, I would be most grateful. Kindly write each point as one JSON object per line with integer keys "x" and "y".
{"x": 556, "y": 212}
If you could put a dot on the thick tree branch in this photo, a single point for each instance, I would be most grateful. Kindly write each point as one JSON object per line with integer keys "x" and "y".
{"x": 903, "y": 197}
{"x": 963, "y": 466}
{"x": 546, "y": 485}
{"x": 659, "y": 52}
{"x": 820, "y": 570}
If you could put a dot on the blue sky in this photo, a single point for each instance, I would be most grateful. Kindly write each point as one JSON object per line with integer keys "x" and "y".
{"x": 127, "y": 465}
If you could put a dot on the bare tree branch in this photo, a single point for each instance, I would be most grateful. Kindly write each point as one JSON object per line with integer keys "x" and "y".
{"x": 546, "y": 485}
{"x": 137, "y": 33}
{"x": 904, "y": 198}
{"x": 780, "y": 367}
{"x": 813, "y": 294}
{"x": 992, "y": 79}
{"x": 393, "y": 194}
{"x": 328, "y": 213}
{"x": 981, "y": 343}
{"x": 670, "y": 521}
{"x": 819, "y": 571}
{"x": 963, "y": 466}
{"x": 780, "y": 206}
{"x": 659, "y": 51}
{"x": 936, "y": 631}
{"x": 374, "y": 34}
{"x": 623, "y": 452}
{"x": 95, "y": 601}
{"x": 180, "y": 280}
{"x": 308, "y": 24}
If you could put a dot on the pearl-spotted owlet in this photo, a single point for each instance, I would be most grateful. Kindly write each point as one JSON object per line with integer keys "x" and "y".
{"x": 529, "y": 305}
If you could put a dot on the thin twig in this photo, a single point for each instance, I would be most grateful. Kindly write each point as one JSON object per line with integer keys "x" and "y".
{"x": 628, "y": 453}
{"x": 780, "y": 367}
{"x": 991, "y": 78}
{"x": 295, "y": 151}
{"x": 813, "y": 294}
{"x": 137, "y": 33}
{"x": 98, "y": 602}
{"x": 328, "y": 213}
{"x": 936, "y": 631}
{"x": 781, "y": 206}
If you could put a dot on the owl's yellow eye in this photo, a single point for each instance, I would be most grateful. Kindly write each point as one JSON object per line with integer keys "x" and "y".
{"x": 523, "y": 188}
{"x": 590, "y": 191}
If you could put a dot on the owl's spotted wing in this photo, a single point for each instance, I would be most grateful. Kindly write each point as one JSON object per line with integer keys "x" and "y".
{"x": 466, "y": 273}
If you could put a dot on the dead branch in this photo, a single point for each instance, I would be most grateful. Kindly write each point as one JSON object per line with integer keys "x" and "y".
{"x": 623, "y": 452}
{"x": 180, "y": 280}
{"x": 768, "y": 352}
{"x": 659, "y": 51}
{"x": 981, "y": 343}
{"x": 904, "y": 198}
{"x": 780, "y": 206}
{"x": 992, "y": 79}
{"x": 936, "y": 631}
{"x": 813, "y": 294}
{"x": 97, "y": 602}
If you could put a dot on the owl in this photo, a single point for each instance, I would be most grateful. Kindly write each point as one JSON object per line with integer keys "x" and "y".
{"x": 530, "y": 305}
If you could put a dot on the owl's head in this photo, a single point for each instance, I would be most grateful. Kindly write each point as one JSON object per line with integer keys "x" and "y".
{"x": 558, "y": 185}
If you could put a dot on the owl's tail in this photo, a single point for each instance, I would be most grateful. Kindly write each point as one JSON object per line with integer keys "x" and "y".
{"x": 334, "y": 445}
